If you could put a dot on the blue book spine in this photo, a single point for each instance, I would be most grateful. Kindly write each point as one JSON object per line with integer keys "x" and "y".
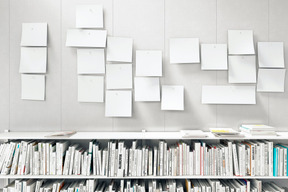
{"x": 275, "y": 162}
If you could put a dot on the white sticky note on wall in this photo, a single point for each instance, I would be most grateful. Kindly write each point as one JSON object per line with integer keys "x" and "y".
{"x": 86, "y": 38}
{"x": 34, "y": 34}
{"x": 33, "y": 87}
{"x": 147, "y": 88}
{"x": 90, "y": 88}
{"x": 214, "y": 94}
{"x": 241, "y": 42}
{"x": 242, "y": 69}
{"x": 118, "y": 104}
{"x": 271, "y": 54}
{"x": 119, "y": 49}
{"x": 148, "y": 63}
{"x": 89, "y": 16}
{"x": 184, "y": 50}
{"x": 33, "y": 60}
{"x": 271, "y": 80}
{"x": 119, "y": 76}
{"x": 172, "y": 97}
{"x": 90, "y": 61}
{"x": 214, "y": 57}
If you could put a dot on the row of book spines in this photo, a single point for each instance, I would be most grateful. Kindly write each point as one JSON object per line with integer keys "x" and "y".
{"x": 160, "y": 168}
{"x": 152, "y": 185}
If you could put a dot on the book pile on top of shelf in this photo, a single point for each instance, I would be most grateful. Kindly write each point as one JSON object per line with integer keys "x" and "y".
{"x": 134, "y": 159}
{"x": 200, "y": 185}
{"x": 258, "y": 129}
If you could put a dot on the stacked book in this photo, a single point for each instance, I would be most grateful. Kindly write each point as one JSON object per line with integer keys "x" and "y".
{"x": 213, "y": 185}
{"x": 134, "y": 159}
{"x": 258, "y": 129}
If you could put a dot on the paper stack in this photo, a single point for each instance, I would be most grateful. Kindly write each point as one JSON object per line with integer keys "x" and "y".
{"x": 258, "y": 129}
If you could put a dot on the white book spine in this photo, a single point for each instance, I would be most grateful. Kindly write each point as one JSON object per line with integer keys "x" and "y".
{"x": 24, "y": 158}
{"x": 37, "y": 163}
{"x": 126, "y": 162}
{"x": 94, "y": 159}
{"x": 72, "y": 158}
{"x": 230, "y": 159}
{"x": 235, "y": 158}
{"x": 262, "y": 159}
{"x": 164, "y": 158}
{"x": 139, "y": 162}
{"x": 270, "y": 154}
{"x": 281, "y": 167}
{"x": 146, "y": 163}
{"x": 253, "y": 155}
{"x": 197, "y": 155}
{"x": 155, "y": 161}
{"x": 53, "y": 163}
{"x": 191, "y": 163}
{"x": 150, "y": 167}
{"x": 285, "y": 162}
{"x": 48, "y": 158}
{"x": 202, "y": 159}
{"x": 130, "y": 164}
{"x": 103, "y": 171}
{"x": 8, "y": 163}
{"x": 66, "y": 163}
{"x": 120, "y": 168}
{"x": 97, "y": 160}
{"x": 3, "y": 155}
{"x": 226, "y": 161}
{"x": 180, "y": 160}
{"x": 161, "y": 155}
{"x": 113, "y": 151}
{"x": 15, "y": 160}
{"x": 26, "y": 168}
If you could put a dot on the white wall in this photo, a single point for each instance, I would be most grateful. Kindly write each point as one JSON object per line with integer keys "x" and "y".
{"x": 150, "y": 23}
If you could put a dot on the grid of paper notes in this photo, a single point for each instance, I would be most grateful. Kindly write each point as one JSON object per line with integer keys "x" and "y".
{"x": 33, "y": 60}
{"x": 104, "y": 65}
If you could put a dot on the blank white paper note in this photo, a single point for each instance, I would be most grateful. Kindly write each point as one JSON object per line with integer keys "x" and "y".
{"x": 242, "y": 69}
{"x": 90, "y": 88}
{"x": 34, "y": 34}
{"x": 147, "y": 88}
{"x": 214, "y": 94}
{"x": 86, "y": 38}
{"x": 118, "y": 104}
{"x": 33, "y": 87}
{"x": 172, "y": 97}
{"x": 184, "y": 50}
{"x": 148, "y": 63}
{"x": 271, "y": 80}
{"x": 89, "y": 16}
{"x": 119, "y": 76}
{"x": 240, "y": 42}
{"x": 33, "y": 60}
{"x": 90, "y": 61}
{"x": 119, "y": 49}
{"x": 271, "y": 54}
{"x": 214, "y": 57}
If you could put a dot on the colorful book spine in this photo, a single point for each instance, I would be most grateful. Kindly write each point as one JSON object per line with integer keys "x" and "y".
{"x": 275, "y": 162}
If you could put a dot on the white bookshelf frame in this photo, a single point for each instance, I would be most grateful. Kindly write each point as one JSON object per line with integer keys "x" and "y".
{"x": 131, "y": 136}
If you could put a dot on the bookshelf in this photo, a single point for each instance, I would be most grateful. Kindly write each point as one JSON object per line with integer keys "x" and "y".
{"x": 153, "y": 137}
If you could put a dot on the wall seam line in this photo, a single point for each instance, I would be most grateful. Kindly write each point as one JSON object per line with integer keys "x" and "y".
{"x": 164, "y": 54}
{"x": 9, "y": 68}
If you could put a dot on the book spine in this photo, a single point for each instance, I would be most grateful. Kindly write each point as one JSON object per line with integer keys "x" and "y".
{"x": 275, "y": 162}
{"x": 235, "y": 158}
